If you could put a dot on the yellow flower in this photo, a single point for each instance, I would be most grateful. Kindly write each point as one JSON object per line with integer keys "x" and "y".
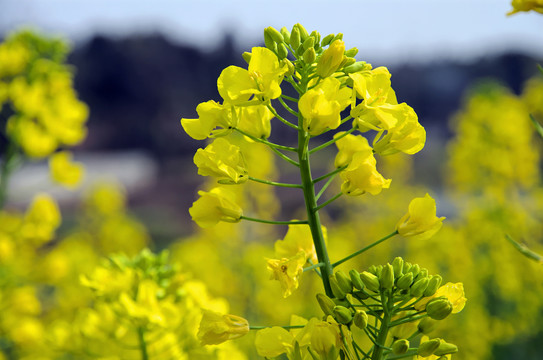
{"x": 41, "y": 220}
{"x": 526, "y": 5}
{"x": 216, "y": 328}
{"x": 262, "y": 79}
{"x": 331, "y": 59}
{"x": 453, "y": 292}
{"x": 274, "y": 341}
{"x": 348, "y": 146}
{"x": 298, "y": 238}
{"x": 211, "y": 115}
{"x": 255, "y": 120}
{"x": 321, "y": 106}
{"x": 420, "y": 222}
{"x": 361, "y": 175}
{"x": 64, "y": 171}
{"x": 408, "y": 136}
{"x": 214, "y": 206}
{"x": 222, "y": 160}
{"x": 287, "y": 271}
{"x": 326, "y": 339}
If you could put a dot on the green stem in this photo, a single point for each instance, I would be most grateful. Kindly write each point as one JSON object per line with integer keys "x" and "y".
{"x": 8, "y": 165}
{"x": 256, "y": 327}
{"x": 364, "y": 249}
{"x": 340, "y": 169}
{"x": 275, "y": 183}
{"x": 288, "y": 123}
{"x": 292, "y": 222}
{"x": 143, "y": 345}
{"x": 324, "y": 187}
{"x": 295, "y": 113}
{"x": 523, "y": 249}
{"x": 314, "y": 266}
{"x": 328, "y": 143}
{"x": 408, "y": 319}
{"x": 284, "y": 157}
{"x": 383, "y": 331}
{"x": 337, "y": 196}
{"x": 289, "y": 98}
{"x": 263, "y": 141}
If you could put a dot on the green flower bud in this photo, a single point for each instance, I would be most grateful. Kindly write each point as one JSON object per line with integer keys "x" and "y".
{"x": 351, "y": 52}
{"x": 355, "y": 279}
{"x": 295, "y": 40}
{"x": 344, "y": 282}
{"x": 417, "y": 289}
{"x": 247, "y": 56}
{"x": 445, "y": 348}
{"x": 405, "y": 281}
{"x": 336, "y": 290}
{"x": 415, "y": 269}
{"x": 303, "y": 32}
{"x": 274, "y": 34}
{"x": 347, "y": 61}
{"x": 378, "y": 270}
{"x": 360, "y": 319}
{"x": 433, "y": 285}
{"x": 327, "y": 40}
{"x": 290, "y": 66}
{"x": 310, "y": 56}
{"x": 387, "y": 277}
{"x": 400, "y": 347}
{"x": 339, "y": 36}
{"x": 397, "y": 264}
{"x": 268, "y": 41}
{"x": 372, "y": 269}
{"x": 286, "y": 34}
{"x": 282, "y": 51}
{"x": 427, "y": 348}
{"x": 342, "y": 314}
{"x": 406, "y": 267}
{"x": 326, "y": 304}
{"x": 426, "y": 325}
{"x": 439, "y": 309}
{"x": 317, "y": 36}
{"x": 299, "y": 51}
{"x": 371, "y": 281}
{"x": 309, "y": 43}
{"x": 423, "y": 273}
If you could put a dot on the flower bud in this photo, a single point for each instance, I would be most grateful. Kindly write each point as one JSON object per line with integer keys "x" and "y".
{"x": 347, "y": 61}
{"x": 371, "y": 281}
{"x": 405, "y": 281}
{"x": 342, "y": 314}
{"x": 268, "y": 41}
{"x": 406, "y": 267}
{"x": 422, "y": 274}
{"x": 295, "y": 41}
{"x": 339, "y": 36}
{"x": 356, "y": 67}
{"x": 290, "y": 66}
{"x": 439, "y": 309}
{"x": 317, "y": 36}
{"x": 303, "y": 32}
{"x": 415, "y": 269}
{"x": 274, "y": 34}
{"x": 397, "y": 264}
{"x": 386, "y": 279}
{"x": 362, "y": 295}
{"x": 344, "y": 282}
{"x": 282, "y": 51}
{"x": 433, "y": 285}
{"x": 417, "y": 289}
{"x": 331, "y": 59}
{"x": 426, "y": 325}
{"x": 286, "y": 34}
{"x": 336, "y": 290}
{"x": 247, "y": 57}
{"x": 326, "y": 304}
{"x": 445, "y": 348}
{"x": 360, "y": 319}
{"x": 400, "y": 347}
{"x": 355, "y": 279}
{"x": 309, "y": 43}
{"x": 327, "y": 40}
{"x": 427, "y": 348}
{"x": 351, "y": 52}
{"x": 310, "y": 56}
{"x": 373, "y": 269}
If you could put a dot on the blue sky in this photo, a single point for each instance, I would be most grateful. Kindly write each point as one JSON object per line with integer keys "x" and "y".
{"x": 392, "y": 30}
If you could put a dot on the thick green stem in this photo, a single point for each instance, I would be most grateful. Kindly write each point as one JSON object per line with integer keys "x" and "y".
{"x": 311, "y": 208}
{"x": 143, "y": 344}
{"x": 383, "y": 331}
